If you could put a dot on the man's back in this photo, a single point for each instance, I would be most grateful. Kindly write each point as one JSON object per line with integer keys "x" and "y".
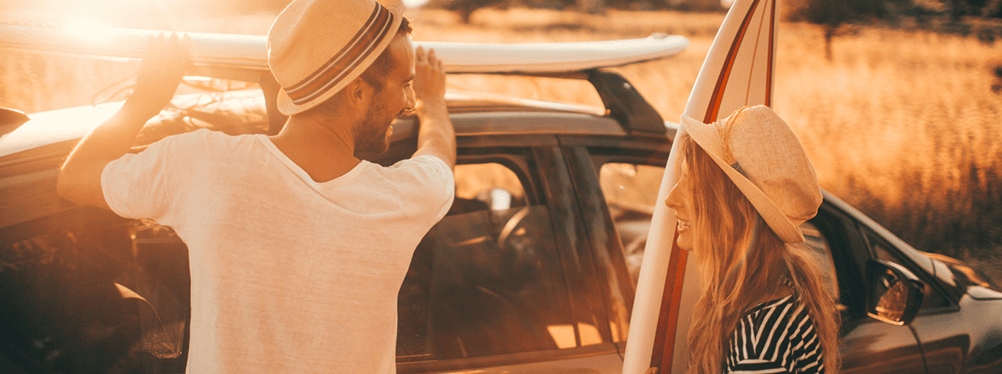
{"x": 288, "y": 275}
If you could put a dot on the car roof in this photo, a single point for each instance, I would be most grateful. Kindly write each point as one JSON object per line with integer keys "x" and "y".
{"x": 244, "y": 57}
{"x": 471, "y": 113}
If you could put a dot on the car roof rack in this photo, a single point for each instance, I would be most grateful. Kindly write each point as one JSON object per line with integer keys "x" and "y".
{"x": 625, "y": 104}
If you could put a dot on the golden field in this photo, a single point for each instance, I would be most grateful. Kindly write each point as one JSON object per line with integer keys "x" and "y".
{"x": 902, "y": 124}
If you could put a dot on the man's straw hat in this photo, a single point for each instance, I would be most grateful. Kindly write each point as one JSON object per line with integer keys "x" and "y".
{"x": 764, "y": 158}
{"x": 316, "y": 47}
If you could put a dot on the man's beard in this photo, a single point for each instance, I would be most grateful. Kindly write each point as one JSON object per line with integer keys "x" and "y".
{"x": 370, "y": 135}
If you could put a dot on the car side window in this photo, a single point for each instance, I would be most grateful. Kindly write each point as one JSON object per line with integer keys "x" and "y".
{"x": 486, "y": 280}
{"x": 932, "y": 298}
{"x": 820, "y": 252}
{"x": 631, "y": 192}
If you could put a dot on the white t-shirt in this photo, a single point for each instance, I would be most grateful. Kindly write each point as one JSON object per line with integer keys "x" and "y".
{"x": 287, "y": 275}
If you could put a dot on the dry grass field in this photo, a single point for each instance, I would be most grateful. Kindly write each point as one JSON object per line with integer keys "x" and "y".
{"x": 903, "y": 125}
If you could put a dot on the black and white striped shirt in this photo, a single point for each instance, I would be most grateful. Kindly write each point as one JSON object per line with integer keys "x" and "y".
{"x": 775, "y": 337}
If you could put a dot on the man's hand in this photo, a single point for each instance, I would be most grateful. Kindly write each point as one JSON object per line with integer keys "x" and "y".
{"x": 429, "y": 78}
{"x": 436, "y": 136}
{"x": 162, "y": 69}
{"x": 164, "y": 63}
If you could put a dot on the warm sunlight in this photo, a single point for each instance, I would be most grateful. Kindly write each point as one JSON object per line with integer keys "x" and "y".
{"x": 414, "y": 3}
{"x": 88, "y": 30}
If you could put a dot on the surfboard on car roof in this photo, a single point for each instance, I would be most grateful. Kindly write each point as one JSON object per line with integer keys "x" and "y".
{"x": 244, "y": 58}
{"x": 213, "y": 53}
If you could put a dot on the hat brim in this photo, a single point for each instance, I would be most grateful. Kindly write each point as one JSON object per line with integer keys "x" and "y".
{"x": 707, "y": 137}
{"x": 288, "y": 107}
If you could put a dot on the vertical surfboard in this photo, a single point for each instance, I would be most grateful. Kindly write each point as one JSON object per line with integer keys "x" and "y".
{"x": 738, "y": 71}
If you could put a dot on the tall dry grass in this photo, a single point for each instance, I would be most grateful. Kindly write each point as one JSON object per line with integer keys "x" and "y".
{"x": 901, "y": 124}
{"x": 904, "y": 125}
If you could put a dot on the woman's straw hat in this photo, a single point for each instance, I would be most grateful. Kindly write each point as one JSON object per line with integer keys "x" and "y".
{"x": 316, "y": 47}
{"x": 764, "y": 158}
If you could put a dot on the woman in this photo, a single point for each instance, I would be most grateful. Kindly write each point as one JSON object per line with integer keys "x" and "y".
{"x": 745, "y": 187}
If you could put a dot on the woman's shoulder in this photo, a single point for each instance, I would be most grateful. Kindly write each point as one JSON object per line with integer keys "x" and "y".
{"x": 774, "y": 303}
{"x": 770, "y": 329}
{"x": 787, "y": 313}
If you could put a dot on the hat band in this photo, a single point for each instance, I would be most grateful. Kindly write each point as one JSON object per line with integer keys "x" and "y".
{"x": 737, "y": 167}
{"x": 346, "y": 60}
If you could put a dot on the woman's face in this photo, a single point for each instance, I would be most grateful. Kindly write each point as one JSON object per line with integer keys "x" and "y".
{"x": 680, "y": 199}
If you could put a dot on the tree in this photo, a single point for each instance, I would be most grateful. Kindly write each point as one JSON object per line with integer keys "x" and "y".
{"x": 837, "y": 16}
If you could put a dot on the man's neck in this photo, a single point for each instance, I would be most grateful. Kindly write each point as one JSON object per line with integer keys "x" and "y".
{"x": 324, "y": 151}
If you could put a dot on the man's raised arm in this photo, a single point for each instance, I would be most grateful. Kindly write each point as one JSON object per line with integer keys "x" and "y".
{"x": 436, "y": 136}
{"x": 163, "y": 66}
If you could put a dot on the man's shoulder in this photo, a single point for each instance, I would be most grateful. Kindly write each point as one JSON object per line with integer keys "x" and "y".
{"x": 200, "y": 136}
{"x": 427, "y": 161}
{"x": 203, "y": 140}
{"x": 426, "y": 179}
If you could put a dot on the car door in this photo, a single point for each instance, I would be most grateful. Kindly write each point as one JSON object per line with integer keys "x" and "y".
{"x": 81, "y": 289}
{"x": 940, "y": 324}
{"x": 616, "y": 179}
{"x": 498, "y": 285}
{"x": 630, "y": 171}
{"x": 868, "y": 345}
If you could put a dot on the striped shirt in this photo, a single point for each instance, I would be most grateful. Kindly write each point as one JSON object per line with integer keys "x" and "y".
{"x": 775, "y": 337}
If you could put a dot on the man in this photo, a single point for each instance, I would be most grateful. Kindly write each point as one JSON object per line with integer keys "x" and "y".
{"x": 297, "y": 249}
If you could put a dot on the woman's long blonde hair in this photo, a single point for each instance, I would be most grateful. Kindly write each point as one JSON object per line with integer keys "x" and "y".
{"x": 740, "y": 259}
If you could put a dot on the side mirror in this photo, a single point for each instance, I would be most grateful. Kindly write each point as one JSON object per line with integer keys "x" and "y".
{"x": 895, "y": 294}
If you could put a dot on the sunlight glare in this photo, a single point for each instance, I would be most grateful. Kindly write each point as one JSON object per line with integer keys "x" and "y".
{"x": 411, "y": 4}
{"x": 88, "y": 29}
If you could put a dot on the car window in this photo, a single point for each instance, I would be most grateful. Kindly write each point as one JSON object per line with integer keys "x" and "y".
{"x": 486, "y": 280}
{"x": 820, "y": 251}
{"x": 631, "y": 192}
{"x": 932, "y": 297}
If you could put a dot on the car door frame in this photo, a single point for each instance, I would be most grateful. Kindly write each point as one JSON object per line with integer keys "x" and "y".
{"x": 550, "y": 183}
{"x": 586, "y": 154}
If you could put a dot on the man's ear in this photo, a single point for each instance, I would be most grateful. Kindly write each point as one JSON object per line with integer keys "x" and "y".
{"x": 358, "y": 93}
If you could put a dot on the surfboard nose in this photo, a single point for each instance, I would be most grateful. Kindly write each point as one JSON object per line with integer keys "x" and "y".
{"x": 11, "y": 119}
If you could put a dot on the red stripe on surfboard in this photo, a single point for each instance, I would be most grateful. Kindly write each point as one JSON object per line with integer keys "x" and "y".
{"x": 664, "y": 343}
{"x": 772, "y": 39}
{"x": 668, "y": 353}
{"x": 725, "y": 72}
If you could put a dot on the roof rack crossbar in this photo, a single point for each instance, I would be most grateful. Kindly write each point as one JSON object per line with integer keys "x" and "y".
{"x": 625, "y": 104}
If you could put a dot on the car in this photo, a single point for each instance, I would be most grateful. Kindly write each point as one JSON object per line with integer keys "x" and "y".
{"x": 533, "y": 269}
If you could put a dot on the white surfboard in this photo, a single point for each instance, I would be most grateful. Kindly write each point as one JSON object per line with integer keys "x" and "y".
{"x": 244, "y": 56}
{"x": 738, "y": 71}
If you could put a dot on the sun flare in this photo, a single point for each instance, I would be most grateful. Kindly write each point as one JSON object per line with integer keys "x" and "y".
{"x": 88, "y": 30}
